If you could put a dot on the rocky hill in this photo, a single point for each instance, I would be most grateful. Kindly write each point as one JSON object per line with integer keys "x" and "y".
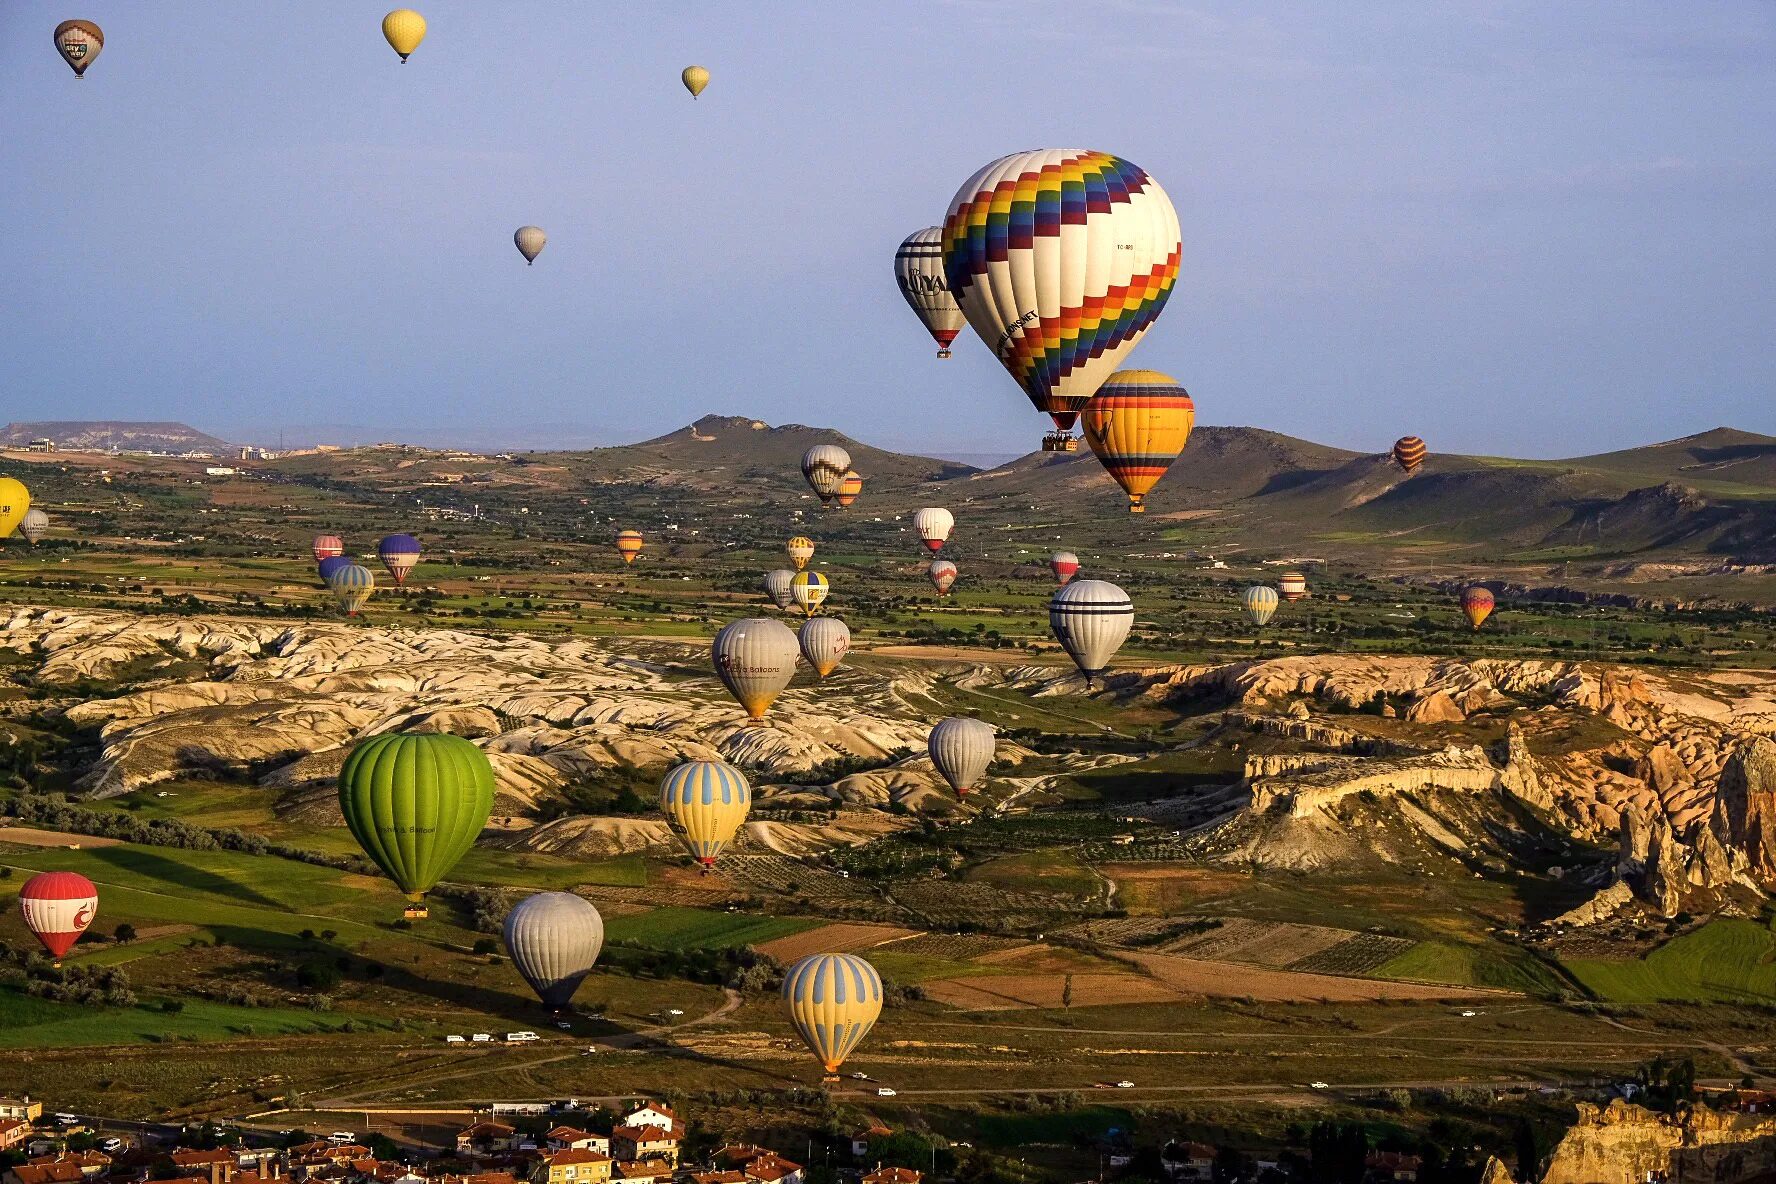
{"x": 105, "y": 434}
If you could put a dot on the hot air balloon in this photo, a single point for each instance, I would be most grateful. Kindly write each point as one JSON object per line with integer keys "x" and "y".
{"x": 1137, "y": 424}
{"x": 1260, "y": 603}
{"x": 825, "y": 642}
{"x": 326, "y": 567}
{"x": 404, "y": 30}
{"x": 1063, "y": 564}
{"x": 15, "y": 500}
{"x": 553, "y": 939}
{"x": 825, "y": 466}
{"x": 942, "y": 574}
{"x": 706, "y": 802}
{"x": 58, "y": 906}
{"x": 530, "y": 241}
{"x": 1061, "y": 260}
{"x": 934, "y": 524}
{"x": 79, "y": 43}
{"x": 800, "y": 549}
{"x": 33, "y": 526}
{"x": 415, "y": 804}
{"x": 833, "y": 1000}
{"x": 1409, "y": 453}
{"x": 350, "y": 584}
{"x": 695, "y": 79}
{"x": 919, "y": 270}
{"x": 328, "y": 546}
{"x": 1292, "y": 587}
{"x": 400, "y": 554}
{"x": 849, "y": 487}
{"x": 755, "y": 658}
{"x": 961, "y": 749}
{"x": 629, "y": 545}
{"x": 1091, "y": 620}
{"x": 809, "y": 588}
{"x": 1477, "y": 605}
{"x": 777, "y": 584}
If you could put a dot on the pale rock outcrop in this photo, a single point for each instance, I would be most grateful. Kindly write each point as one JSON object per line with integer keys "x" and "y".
{"x": 1744, "y": 815}
{"x": 1626, "y": 1144}
{"x": 1436, "y": 707}
{"x": 1495, "y": 1172}
{"x": 1604, "y": 904}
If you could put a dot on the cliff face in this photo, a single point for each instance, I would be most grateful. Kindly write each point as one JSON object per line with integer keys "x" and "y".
{"x": 1625, "y": 1144}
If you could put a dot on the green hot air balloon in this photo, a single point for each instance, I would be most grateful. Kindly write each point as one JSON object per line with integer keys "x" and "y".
{"x": 415, "y": 803}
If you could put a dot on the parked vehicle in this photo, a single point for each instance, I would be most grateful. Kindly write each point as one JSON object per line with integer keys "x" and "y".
{"x": 885, "y": 1092}
{"x": 481, "y": 1037}
{"x": 521, "y": 1037}
{"x": 454, "y": 1040}
{"x": 342, "y": 1137}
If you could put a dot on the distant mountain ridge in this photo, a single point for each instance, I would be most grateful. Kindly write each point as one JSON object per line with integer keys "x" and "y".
{"x": 102, "y": 435}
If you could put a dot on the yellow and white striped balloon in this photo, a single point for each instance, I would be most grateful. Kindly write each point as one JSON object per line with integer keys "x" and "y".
{"x": 833, "y": 1000}
{"x": 705, "y": 801}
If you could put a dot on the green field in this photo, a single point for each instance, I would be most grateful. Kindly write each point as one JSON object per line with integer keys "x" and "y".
{"x": 26, "y": 1022}
{"x": 1726, "y": 961}
{"x": 701, "y": 929}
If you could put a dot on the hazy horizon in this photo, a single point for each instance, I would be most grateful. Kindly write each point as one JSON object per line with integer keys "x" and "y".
{"x": 1553, "y": 223}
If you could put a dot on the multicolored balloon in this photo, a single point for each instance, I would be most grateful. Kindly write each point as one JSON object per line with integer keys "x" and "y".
{"x": 33, "y": 526}
{"x": 706, "y": 802}
{"x": 695, "y": 79}
{"x": 1061, "y": 260}
{"x": 961, "y": 748}
{"x": 1091, "y": 619}
{"x": 942, "y": 574}
{"x": 629, "y": 544}
{"x": 1064, "y": 564}
{"x": 58, "y": 907}
{"x": 849, "y": 487}
{"x": 825, "y": 642}
{"x": 755, "y": 657}
{"x": 328, "y": 546}
{"x": 1292, "y": 587}
{"x": 800, "y": 549}
{"x": 934, "y": 524}
{"x": 1409, "y": 453}
{"x": 403, "y": 29}
{"x": 553, "y": 939}
{"x": 399, "y": 554}
{"x": 1260, "y": 603}
{"x": 79, "y": 43}
{"x": 919, "y": 270}
{"x": 530, "y": 241}
{"x": 833, "y": 1000}
{"x": 777, "y": 587}
{"x": 809, "y": 590}
{"x": 415, "y": 804}
{"x": 825, "y": 466}
{"x": 1477, "y": 604}
{"x": 351, "y": 586}
{"x": 1137, "y": 424}
{"x": 15, "y": 500}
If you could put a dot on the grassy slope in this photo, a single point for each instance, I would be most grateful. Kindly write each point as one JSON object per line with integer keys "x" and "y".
{"x": 1726, "y": 961}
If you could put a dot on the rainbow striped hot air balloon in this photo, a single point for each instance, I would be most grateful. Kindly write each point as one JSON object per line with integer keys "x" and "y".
{"x": 850, "y": 485}
{"x": 629, "y": 544}
{"x": 399, "y": 554}
{"x": 1409, "y": 453}
{"x": 351, "y": 586}
{"x": 706, "y": 802}
{"x": 1477, "y": 604}
{"x": 833, "y": 1000}
{"x": 1137, "y": 424}
{"x": 1292, "y": 587}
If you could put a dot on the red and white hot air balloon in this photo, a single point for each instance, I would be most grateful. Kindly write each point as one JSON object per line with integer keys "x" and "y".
{"x": 1064, "y": 565}
{"x": 58, "y": 906}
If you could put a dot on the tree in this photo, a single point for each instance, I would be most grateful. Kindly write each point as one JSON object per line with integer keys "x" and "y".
{"x": 486, "y": 945}
{"x": 125, "y": 932}
{"x": 318, "y": 976}
{"x": 1067, "y": 992}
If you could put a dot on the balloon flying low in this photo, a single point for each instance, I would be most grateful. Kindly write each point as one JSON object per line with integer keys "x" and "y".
{"x": 919, "y": 270}
{"x": 399, "y": 554}
{"x": 800, "y": 549}
{"x": 825, "y": 466}
{"x": 777, "y": 587}
{"x": 934, "y": 524}
{"x": 629, "y": 544}
{"x": 706, "y": 802}
{"x": 1091, "y": 619}
{"x": 833, "y": 1000}
{"x": 415, "y": 804}
{"x": 695, "y": 79}
{"x": 33, "y": 526}
{"x": 942, "y": 574}
{"x": 825, "y": 641}
{"x": 810, "y": 589}
{"x": 15, "y": 500}
{"x": 1260, "y": 603}
{"x": 530, "y": 241}
{"x": 1409, "y": 453}
{"x": 404, "y": 29}
{"x": 1477, "y": 604}
{"x": 961, "y": 748}
{"x": 553, "y": 939}
{"x": 328, "y": 546}
{"x": 58, "y": 907}
{"x": 350, "y": 583}
{"x": 79, "y": 43}
{"x": 1064, "y": 565}
{"x": 755, "y": 658}
{"x": 850, "y": 485}
{"x": 1292, "y": 587}
{"x": 1137, "y": 424}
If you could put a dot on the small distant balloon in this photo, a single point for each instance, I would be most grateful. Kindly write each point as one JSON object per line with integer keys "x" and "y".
{"x": 961, "y": 748}
{"x": 695, "y": 79}
{"x": 800, "y": 549}
{"x": 1477, "y": 604}
{"x": 825, "y": 466}
{"x": 1292, "y": 587}
{"x": 942, "y": 574}
{"x": 79, "y": 43}
{"x": 1260, "y": 603}
{"x": 351, "y": 586}
{"x": 33, "y": 526}
{"x": 934, "y": 524}
{"x": 326, "y": 567}
{"x": 1409, "y": 453}
{"x": 629, "y": 544}
{"x": 810, "y": 590}
{"x": 404, "y": 29}
{"x": 328, "y": 546}
{"x": 530, "y": 241}
{"x": 400, "y": 555}
{"x": 777, "y": 584}
{"x": 850, "y": 485}
{"x": 1064, "y": 565}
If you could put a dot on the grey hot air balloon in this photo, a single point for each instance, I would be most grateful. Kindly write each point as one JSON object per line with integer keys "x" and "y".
{"x": 825, "y": 466}
{"x": 530, "y": 241}
{"x": 755, "y": 658}
{"x": 962, "y": 748}
{"x": 1091, "y": 620}
{"x": 825, "y": 642}
{"x": 1260, "y": 603}
{"x": 780, "y": 587}
{"x": 33, "y": 526}
{"x": 554, "y": 938}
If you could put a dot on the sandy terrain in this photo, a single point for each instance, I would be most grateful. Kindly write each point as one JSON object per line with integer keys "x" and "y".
{"x": 25, "y": 836}
{"x": 1001, "y": 992}
{"x": 833, "y": 939}
{"x": 1199, "y": 976}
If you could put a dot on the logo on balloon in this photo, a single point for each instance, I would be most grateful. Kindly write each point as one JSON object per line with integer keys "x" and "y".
{"x": 84, "y": 917}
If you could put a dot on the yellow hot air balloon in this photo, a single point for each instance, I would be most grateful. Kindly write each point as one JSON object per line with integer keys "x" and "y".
{"x": 629, "y": 545}
{"x": 809, "y": 590}
{"x": 1138, "y": 423}
{"x": 799, "y": 549}
{"x": 15, "y": 499}
{"x": 833, "y": 1000}
{"x": 705, "y": 801}
{"x": 404, "y": 29}
{"x": 695, "y": 79}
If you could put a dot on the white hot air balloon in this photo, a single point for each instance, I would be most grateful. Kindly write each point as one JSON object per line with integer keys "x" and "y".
{"x": 553, "y": 939}
{"x": 755, "y": 657}
{"x": 1091, "y": 620}
{"x": 961, "y": 748}
{"x": 825, "y": 642}
{"x": 1061, "y": 259}
{"x": 934, "y": 524}
{"x": 918, "y": 269}
{"x": 778, "y": 586}
{"x": 825, "y": 466}
{"x": 530, "y": 241}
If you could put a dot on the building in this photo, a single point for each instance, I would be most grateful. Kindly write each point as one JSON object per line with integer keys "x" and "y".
{"x": 570, "y": 1138}
{"x": 654, "y": 1114}
{"x": 486, "y": 1138}
{"x": 893, "y": 1176}
{"x": 860, "y": 1140}
{"x": 572, "y": 1166}
{"x": 1392, "y": 1166}
{"x": 1188, "y": 1161}
{"x": 54, "y": 1173}
{"x": 218, "y": 1166}
{"x": 718, "y": 1178}
{"x": 772, "y": 1168}
{"x": 13, "y": 1131}
{"x": 23, "y": 1109}
{"x": 90, "y": 1164}
{"x": 644, "y": 1171}
{"x": 634, "y": 1144}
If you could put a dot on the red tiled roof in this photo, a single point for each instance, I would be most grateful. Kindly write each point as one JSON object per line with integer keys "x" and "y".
{"x": 575, "y": 1155}
{"x": 894, "y": 1176}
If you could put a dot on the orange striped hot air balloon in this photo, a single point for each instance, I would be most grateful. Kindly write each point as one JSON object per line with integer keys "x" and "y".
{"x": 629, "y": 545}
{"x": 1138, "y": 423}
{"x": 849, "y": 487}
{"x": 1477, "y": 605}
{"x": 1292, "y": 587}
{"x": 1409, "y": 453}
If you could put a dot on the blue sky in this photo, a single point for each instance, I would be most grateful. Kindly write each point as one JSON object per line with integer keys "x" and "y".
{"x": 1515, "y": 228}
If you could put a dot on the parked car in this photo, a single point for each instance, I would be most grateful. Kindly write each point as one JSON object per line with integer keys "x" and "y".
{"x": 521, "y": 1037}
{"x": 481, "y": 1037}
{"x": 454, "y": 1040}
{"x": 1125, "y": 1084}
{"x": 884, "y": 1092}
{"x": 342, "y": 1137}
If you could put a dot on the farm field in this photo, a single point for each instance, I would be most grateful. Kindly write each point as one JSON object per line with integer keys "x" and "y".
{"x": 1726, "y": 961}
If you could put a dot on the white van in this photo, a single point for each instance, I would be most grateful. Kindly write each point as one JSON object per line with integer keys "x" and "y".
{"x": 481, "y": 1037}
{"x": 520, "y": 1037}
{"x": 454, "y": 1040}
{"x": 342, "y": 1137}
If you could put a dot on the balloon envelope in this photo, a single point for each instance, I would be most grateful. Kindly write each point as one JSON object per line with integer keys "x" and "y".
{"x": 530, "y": 241}
{"x": 629, "y": 544}
{"x": 328, "y": 546}
{"x": 553, "y": 939}
{"x": 825, "y": 641}
{"x": 850, "y": 485}
{"x": 825, "y": 466}
{"x": 416, "y": 803}
{"x": 1260, "y": 603}
{"x": 942, "y": 574}
{"x": 33, "y": 526}
{"x": 351, "y": 586}
{"x": 1477, "y": 604}
{"x": 1409, "y": 453}
{"x": 961, "y": 748}
{"x": 919, "y": 270}
{"x": 58, "y": 906}
{"x": 777, "y": 586}
{"x": 79, "y": 43}
{"x": 1064, "y": 565}
{"x": 755, "y": 658}
{"x": 800, "y": 549}
{"x": 934, "y": 524}
{"x": 809, "y": 588}
{"x": 1091, "y": 619}
{"x": 1292, "y": 587}
{"x": 695, "y": 79}
{"x": 400, "y": 554}
{"x": 833, "y": 1000}
{"x": 15, "y": 500}
{"x": 1137, "y": 424}
{"x": 332, "y": 563}
{"x": 706, "y": 802}
{"x": 1061, "y": 259}
{"x": 404, "y": 29}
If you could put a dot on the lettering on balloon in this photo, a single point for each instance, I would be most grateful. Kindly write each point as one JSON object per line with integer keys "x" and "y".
{"x": 1012, "y": 330}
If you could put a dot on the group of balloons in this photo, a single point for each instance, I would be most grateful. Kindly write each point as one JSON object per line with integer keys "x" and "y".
{"x": 352, "y": 583}
{"x": 17, "y": 514}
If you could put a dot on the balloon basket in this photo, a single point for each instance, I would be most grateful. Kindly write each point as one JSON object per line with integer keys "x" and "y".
{"x": 1060, "y": 442}
{"x": 415, "y": 912}
{"x": 830, "y": 1079}
{"x": 943, "y": 353}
